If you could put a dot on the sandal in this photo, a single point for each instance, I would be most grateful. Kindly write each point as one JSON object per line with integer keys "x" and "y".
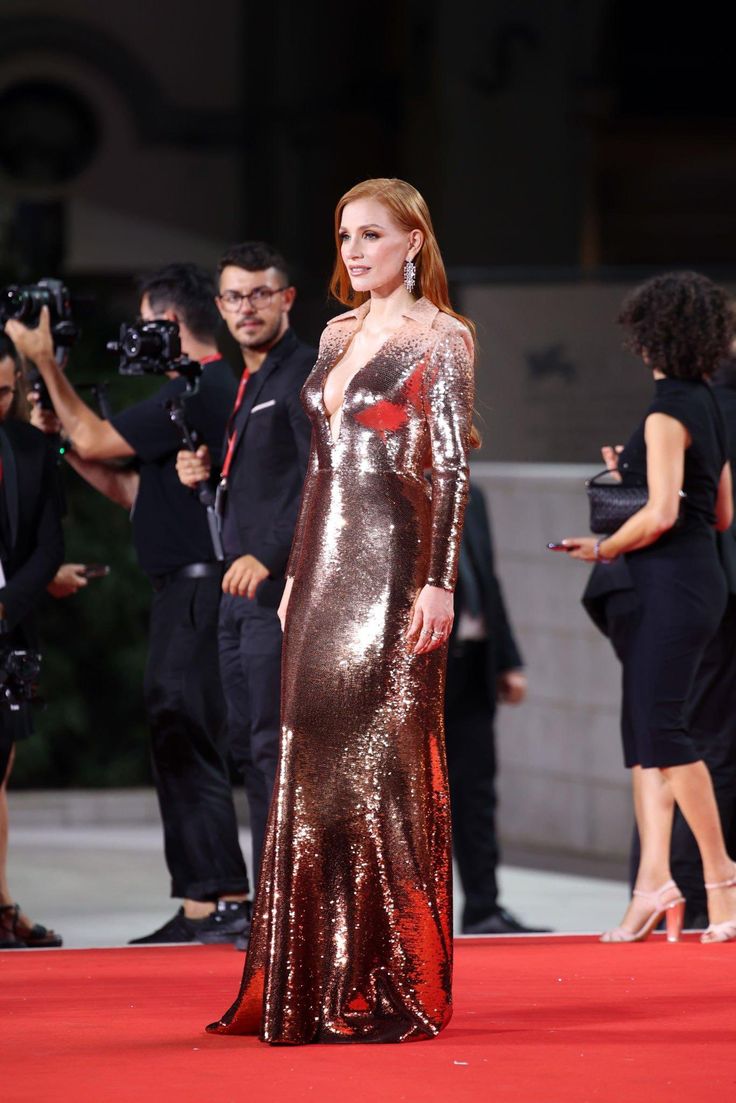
{"x": 18, "y": 934}
{"x": 726, "y": 931}
{"x": 666, "y": 903}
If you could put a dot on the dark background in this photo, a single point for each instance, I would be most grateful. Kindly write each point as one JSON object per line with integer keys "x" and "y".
{"x": 565, "y": 147}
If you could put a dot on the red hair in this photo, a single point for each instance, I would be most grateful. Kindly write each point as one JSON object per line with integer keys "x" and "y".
{"x": 408, "y": 207}
{"x": 410, "y": 210}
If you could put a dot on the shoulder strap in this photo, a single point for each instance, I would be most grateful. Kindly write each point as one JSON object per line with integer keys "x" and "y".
{"x": 595, "y": 479}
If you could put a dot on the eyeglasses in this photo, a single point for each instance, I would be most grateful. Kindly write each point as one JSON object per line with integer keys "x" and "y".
{"x": 261, "y": 296}
{"x": 6, "y": 392}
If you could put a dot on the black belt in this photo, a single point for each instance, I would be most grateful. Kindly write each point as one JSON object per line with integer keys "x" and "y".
{"x": 192, "y": 570}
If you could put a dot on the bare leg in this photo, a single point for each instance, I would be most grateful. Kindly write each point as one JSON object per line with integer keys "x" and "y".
{"x": 654, "y": 808}
{"x": 693, "y": 790}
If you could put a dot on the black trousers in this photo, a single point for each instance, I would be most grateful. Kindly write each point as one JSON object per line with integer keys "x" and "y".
{"x": 471, "y": 764}
{"x": 713, "y": 728}
{"x": 250, "y": 662}
{"x": 185, "y": 709}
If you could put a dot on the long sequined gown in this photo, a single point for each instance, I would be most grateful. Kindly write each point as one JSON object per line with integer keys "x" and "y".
{"x": 352, "y": 937}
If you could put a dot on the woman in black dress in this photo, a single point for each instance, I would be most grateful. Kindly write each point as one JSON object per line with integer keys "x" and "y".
{"x": 681, "y": 325}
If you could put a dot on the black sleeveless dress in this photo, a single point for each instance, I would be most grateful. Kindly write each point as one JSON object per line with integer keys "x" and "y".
{"x": 679, "y": 582}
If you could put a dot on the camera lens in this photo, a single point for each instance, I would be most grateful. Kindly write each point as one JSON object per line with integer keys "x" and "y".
{"x": 138, "y": 343}
{"x": 16, "y": 303}
{"x": 130, "y": 343}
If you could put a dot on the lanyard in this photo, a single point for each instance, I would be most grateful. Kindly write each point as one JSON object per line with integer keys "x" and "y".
{"x": 231, "y": 432}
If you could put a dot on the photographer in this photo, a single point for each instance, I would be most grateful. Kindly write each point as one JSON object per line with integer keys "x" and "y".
{"x": 183, "y": 695}
{"x": 31, "y": 549}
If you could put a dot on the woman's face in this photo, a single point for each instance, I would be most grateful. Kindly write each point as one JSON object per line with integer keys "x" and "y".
{"x": 374, "y": 247}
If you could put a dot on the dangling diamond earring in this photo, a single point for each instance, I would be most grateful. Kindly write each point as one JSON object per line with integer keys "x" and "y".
{"x": 410, "y": 275}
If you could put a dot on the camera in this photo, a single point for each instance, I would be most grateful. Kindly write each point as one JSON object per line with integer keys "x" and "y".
{"x": 24, "y": 303}
{"x": 20, "y": 669}
{"x": 152, "y": 348}
{"x": 147, "y": 348}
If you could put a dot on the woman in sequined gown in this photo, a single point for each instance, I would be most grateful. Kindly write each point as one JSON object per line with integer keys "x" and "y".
{"x": 352, "y": 929}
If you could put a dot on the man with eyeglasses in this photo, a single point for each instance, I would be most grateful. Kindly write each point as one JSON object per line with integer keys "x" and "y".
{"x": 266, "y": 452}
{"x": 182, "y": 691}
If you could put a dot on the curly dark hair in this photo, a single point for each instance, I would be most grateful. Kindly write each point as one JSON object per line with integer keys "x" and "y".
{"x": 681, "y": 322}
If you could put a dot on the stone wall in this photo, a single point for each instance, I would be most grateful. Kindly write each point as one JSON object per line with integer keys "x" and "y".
{"x": 562, "y": 784}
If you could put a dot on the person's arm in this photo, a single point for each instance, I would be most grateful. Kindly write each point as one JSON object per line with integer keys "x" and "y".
{"x": 724, "y": 501}
{"x": 448, "y": 403}
{"x": 93, "y": 437}
{"x": 119, "y": 484}
{"x": 666, "y": 440}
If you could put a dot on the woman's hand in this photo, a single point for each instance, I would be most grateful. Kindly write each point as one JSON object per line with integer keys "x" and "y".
{"x": 581, "y": 547}
{"x": 432, "y": 620}
{"x": 281, "y": 613}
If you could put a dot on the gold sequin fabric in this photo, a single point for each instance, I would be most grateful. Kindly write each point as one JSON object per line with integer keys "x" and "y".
{"x": 352, "y": 937}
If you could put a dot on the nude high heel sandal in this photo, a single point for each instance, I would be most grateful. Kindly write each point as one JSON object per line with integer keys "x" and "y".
{"x": 726, "y": 931}
{"x": 673, "y": 911}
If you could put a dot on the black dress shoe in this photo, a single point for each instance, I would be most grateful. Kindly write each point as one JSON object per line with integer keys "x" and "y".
{"x": 241, "y": 942}
{"x": 501, "y": 921}
{"x": 229, "y": 921}
{"x": 178, "y": 929}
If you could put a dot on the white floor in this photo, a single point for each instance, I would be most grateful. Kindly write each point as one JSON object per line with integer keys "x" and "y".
{"x": 100, "y": 885}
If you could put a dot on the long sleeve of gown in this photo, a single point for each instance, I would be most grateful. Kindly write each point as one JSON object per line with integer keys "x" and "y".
{"x": 449, "y": 393}
{"x": 302, "y": 520}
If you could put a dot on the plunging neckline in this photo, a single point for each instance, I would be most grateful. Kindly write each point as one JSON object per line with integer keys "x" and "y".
{"x": 335, "y": 440}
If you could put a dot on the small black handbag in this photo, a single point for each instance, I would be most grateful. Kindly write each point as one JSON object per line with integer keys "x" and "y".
{"x": 612, "y": 503}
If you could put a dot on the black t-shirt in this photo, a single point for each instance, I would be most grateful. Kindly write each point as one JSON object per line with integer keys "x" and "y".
{"x": 692, "y": 403}
{"x": 169, "y": 523}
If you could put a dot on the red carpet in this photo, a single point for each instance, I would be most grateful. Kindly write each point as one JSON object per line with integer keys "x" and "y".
{"x": 536, "y": 1020}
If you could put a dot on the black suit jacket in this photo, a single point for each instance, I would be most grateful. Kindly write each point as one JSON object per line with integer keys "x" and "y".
{"x": 273, "y": 435}
{"x": 502, "y": 651}
{"x": 33, "y": 545}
